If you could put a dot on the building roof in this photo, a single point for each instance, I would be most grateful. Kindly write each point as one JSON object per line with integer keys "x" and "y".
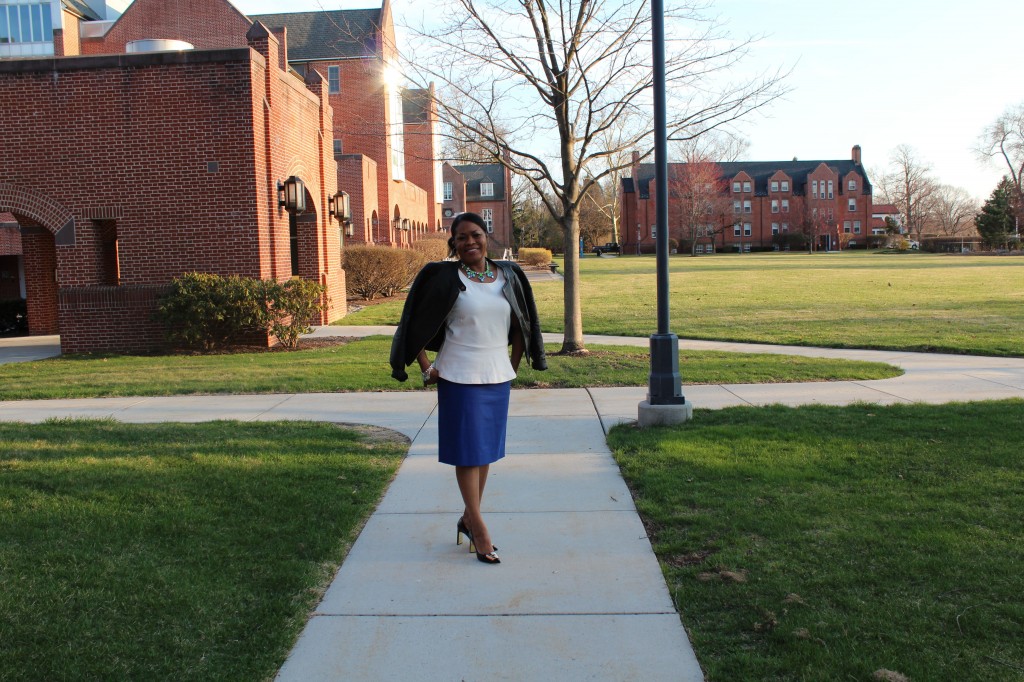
{"x": 759, "y": 172}
{"x": 483, "y": 172}
{"x": 81, "y": 8}
{"x": 327, "y": 35}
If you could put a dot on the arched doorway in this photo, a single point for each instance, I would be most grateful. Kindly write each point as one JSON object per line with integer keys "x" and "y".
{"x": 43, "y": 225}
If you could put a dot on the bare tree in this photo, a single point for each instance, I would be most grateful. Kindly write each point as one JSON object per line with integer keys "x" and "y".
{"x": 812, "y": 223}
{"x": 697, "y": 190}
{"x": 953, "y": 211}
{"x": 1003, "y": 140}
{"x": 701, "y": 204}
{"x": 596, "y": 216}
{"x": 910, "y": 186}
{"x": 518, "y": 72}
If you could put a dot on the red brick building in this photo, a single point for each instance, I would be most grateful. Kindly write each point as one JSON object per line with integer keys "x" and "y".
{"x": 752, "y": 205}
{"x": 124, "y": 170}
{"x": 384, "y": 135}
{"x": 485, "y": 189}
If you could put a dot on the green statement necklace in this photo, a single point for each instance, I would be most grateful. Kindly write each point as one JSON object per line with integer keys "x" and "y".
{"x": 473, "y": 274}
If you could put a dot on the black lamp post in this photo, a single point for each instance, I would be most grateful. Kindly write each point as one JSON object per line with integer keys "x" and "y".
{"x": 665, "y": 384}
{"x": 291, "y": 195}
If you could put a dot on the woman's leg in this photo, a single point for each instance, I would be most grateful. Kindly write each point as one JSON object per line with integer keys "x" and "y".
{"x": 471, "y": 484}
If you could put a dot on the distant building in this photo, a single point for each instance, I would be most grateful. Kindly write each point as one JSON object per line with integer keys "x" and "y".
{"x": 485, "y": 189}
{"x": 752, "y": 205}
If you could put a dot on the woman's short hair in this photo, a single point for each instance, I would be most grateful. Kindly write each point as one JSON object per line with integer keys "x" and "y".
{"x": 464, "y": 217}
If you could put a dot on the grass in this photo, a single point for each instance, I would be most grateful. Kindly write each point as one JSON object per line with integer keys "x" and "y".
{"x": 174, "y": 551}
{"x": 361, "y": 365}
{"x": 921, "y": 302}
{"x": 825, "y": 543}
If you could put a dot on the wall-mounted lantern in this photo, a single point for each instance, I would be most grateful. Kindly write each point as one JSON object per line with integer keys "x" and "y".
{"x": 339, "y": 207}
{"x": 406, "y": 223}
{"x": 291, "y": 195}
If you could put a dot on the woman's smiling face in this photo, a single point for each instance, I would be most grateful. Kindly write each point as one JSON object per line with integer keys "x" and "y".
{"x": 470, "y": 243}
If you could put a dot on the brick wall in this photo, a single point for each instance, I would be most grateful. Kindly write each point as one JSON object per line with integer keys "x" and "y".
{"x": 105, "y": 318}
{"x": 205, "y": 24}
{"x": 40, "y": 263}
{"x": 357, "y": 175}
{"x": 181, "y": 153}
{"x": 10, "y": 239}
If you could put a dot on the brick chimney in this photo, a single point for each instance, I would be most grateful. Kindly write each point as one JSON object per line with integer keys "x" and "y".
{"x": 856, "y": 154}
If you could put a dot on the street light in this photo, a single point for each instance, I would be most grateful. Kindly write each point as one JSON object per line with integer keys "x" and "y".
{"x": 665, "y": 402}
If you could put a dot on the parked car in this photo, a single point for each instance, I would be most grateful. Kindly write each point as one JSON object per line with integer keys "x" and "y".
{"x": 609, "y": 247}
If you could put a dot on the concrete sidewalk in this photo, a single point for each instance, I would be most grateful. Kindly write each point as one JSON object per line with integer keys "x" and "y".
{"x": 579, "y": 594}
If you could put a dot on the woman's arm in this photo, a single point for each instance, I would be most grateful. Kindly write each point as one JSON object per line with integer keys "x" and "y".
{"x": 425, "y": 366}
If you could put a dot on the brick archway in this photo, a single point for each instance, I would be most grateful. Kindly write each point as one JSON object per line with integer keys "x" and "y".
{"x": 41, "y": 209}
{"x": 45, "y": 224}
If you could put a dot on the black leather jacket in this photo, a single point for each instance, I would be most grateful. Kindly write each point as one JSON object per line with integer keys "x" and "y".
{"x": 432, "y": 296}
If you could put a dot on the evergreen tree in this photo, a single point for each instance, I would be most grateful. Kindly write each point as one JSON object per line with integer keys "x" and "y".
{"x": 995, "y": 223}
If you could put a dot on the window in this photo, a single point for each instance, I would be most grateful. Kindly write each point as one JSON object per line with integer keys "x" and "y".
{"x": 830, "y": 195}
{"x": 746, "y": 229}
{"x": 488, "y": 216}
{"x": 830, "y": 214}
{"x": 447, "y": 191}
{"x": 736, "y": 230}
{"x": 654, "y": 231}
{"x": 775, "y": 185}
{"x": 487, "y": 189}
{"x": 737, "y": 206}
{"x": 785, "y": 205}
{"x": 785, "y": 185}
{"x": 852, "y": 186}
{"x": 746, "y": 186}
{"x": 25, "y": 23}
{"x": 746, "y": 206}
{"x": 338, "y": 147}
{"x": 853, "y": 205}
{"x": 814, "y": 188}
{"x": 333, "y": 80}
{"x": 775, "y": 228}
{"x": 785, "y": 227}
{"x": 746, "y": 248}
{"x": 856, "y": 227}
{"x": 814, "y": 213}
{"x": 775, "y": 205}
{"x": 699, "y": 248}
{"x": 846, "y": 227}
{"x": 735, "y": 187}
{"x": 397, "y": 136}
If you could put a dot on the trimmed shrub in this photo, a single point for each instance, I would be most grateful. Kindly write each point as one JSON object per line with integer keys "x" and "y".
{"x": 209, "y": 311}
{"x": 414, "y": 262}
{"x": 372, "y": 270}
{"x": 534, "y": 256}
{"x": 293, "y": 306}
{"x": 433, "y": 246}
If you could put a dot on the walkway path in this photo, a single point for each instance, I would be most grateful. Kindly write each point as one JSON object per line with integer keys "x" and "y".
{"x": 579, "y": 594}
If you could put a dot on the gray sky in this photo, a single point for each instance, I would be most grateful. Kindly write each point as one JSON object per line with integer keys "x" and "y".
{"x": 877, "y": 73}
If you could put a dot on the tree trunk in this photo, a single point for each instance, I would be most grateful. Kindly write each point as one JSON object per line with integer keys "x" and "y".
{"x": 572, "y": 341}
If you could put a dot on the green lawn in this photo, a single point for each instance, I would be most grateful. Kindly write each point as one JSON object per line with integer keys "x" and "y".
{"x": 174, "y": 551}
{"x": 825, "y": 543}
{"x": 361, "y": 365}
{"x": 923, "y": 302}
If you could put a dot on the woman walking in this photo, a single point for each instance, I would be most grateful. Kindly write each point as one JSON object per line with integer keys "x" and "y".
{"x": 469, "y": 311}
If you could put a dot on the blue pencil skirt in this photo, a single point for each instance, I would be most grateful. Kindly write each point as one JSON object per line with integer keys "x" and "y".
{"x": 471, "y": 421}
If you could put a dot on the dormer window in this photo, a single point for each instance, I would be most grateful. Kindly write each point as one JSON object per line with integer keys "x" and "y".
{"x": 487, "y": 189}
{"x": 746, "y": 186}
{"x": 785, "y": 185}
{"x": 775, "y": 185}
{"x": 852, "y": 186}
{"x": 736, "y": 187}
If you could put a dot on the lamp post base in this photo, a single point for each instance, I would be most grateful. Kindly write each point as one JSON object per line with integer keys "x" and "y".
{"x": 663, "y": 415}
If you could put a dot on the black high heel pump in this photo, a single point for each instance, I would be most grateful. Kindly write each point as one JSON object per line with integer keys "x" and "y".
{"x": 460, "y": 530}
